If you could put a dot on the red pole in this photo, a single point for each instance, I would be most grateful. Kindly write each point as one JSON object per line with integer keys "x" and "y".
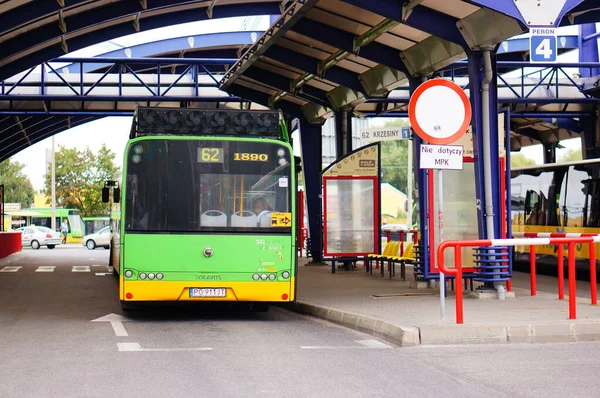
{"x": 532, "y": 270}
{"x": 593, "y": 273}
{"x": 572, "y": 307}
{"x": 459, "y": 296}
{"x": 561, "y": 273}
{"x": 402, "y": 243}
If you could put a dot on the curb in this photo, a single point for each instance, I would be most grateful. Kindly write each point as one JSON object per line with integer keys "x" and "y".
{"x": 400, "y": 335}
{"x": 410, "y": 336}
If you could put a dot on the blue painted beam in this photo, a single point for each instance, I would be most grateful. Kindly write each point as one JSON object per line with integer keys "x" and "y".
{"x": 25, "y": 13}
{"x": 422, "y": 18}
{"x": 97, "y": 35}
{"x": 343, "y": 40}
{"x": 308, "y": 64}
{"x": 577, "y": 12}
{"x": 175, "y": 45}
{"x": 115, "y": 98}
{"x": 588, "y": 49}
{"x": 77, "y": 21}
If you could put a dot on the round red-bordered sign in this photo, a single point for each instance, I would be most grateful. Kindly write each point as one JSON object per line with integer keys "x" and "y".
{"x": 439, "y": 111}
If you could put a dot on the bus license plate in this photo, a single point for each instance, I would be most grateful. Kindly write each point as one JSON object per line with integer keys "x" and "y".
{"x": 205, "y": 292}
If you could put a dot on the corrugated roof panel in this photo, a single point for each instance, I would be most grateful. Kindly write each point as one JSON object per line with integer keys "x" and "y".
{"x": 457, "y": 10}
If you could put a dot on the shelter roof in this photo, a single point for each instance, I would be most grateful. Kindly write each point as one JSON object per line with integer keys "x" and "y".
{"x": 325, "y": 55}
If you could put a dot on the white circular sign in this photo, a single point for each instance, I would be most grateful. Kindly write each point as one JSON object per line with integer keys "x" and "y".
{"x": 439, "y": 111}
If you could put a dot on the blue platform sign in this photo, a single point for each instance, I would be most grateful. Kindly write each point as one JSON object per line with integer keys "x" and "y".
{"x": 542, "y": 45}
{"x": 385, "y": 134}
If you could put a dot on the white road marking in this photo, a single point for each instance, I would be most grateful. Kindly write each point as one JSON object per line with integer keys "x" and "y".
{"x": 81, "y": 268}
{"x": 11, "y": 269}
{"x": 129, "y": 347}
{"x": 116, "y": 321}
{"x": 45, "y": 268}
{"x": 365, "y": 344}
{"x": 103, "y": 273}
{"x": 373, "y": 344}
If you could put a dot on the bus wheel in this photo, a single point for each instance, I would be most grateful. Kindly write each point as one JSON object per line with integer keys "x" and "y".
{"x": 35, "y": 244}
{"x": 260, "y": 307}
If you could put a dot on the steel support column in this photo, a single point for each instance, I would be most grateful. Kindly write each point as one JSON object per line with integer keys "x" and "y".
{"x": 549, "y": 153}
{"x": 475, "y": 65}
{"x": 310, "y": 142}
{"x": 421, "y": 181}
{"x": 343, "y": 133}
{"x": 590, "y": 137}
{"x": 588, "y": 49}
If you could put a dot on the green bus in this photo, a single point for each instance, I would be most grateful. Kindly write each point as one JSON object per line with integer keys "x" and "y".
{"x": 207, "y": 209}
{"x": 43, "y": 218}
{"x": 95, "y": 224}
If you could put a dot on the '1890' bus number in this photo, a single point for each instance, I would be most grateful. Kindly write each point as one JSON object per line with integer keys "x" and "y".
{"x": 252, "y": 157}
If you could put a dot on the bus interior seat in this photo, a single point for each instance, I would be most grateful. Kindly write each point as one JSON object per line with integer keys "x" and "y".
{"x": 243, "y": 218}
{"x": 264, "y": 219}
{"x": 213, "y": 218}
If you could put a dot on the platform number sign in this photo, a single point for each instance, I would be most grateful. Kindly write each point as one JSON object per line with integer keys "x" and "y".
{"x": 543, "y": 45}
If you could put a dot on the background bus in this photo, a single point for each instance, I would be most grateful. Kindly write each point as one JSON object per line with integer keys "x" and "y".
{"x": 95, "y": 224}
{"x": 207, "y": 209}
{"x": 43, "y": 217}
{"x": 557, "y": 198}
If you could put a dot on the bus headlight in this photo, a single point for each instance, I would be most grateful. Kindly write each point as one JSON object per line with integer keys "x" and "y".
{"x": 282, "y": 162}
{"x": 272, "y": 277}
{"x": 150, "y": 276}
{"x": 263, "y": 277}
{"x": 281, "y": 152}
{"x": 128, "y": 273}
{"x": 142, "y": 276}
{"x": 136, "y": 158}
{"x": 159, "y": 276}
{"x": 138, "y": 149}
{"x": 285, "y": 274}
{"x": 255, "y": 277}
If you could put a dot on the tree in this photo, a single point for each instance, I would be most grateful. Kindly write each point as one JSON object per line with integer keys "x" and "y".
{"x": 80, "y": 176}
{"x": 520, "y": 160}
{"x": 394, "y": 159}
{"x": 17, "y": 186}
{"x": 570, "y": 156}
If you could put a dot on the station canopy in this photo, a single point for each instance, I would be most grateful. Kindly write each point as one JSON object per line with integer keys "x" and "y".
{"x": 325, "y": 55}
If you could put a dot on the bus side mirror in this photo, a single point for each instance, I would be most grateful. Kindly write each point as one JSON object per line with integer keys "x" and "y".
{"x": 116, "y": 195}
{"x": 105, "y": 195}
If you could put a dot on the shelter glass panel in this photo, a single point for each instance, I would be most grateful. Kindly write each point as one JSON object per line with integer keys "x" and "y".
{"x": 350, "y": 216}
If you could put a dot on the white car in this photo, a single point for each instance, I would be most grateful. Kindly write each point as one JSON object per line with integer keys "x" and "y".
{"x": 100, "y": 238}
{"x": 35, "y": 237}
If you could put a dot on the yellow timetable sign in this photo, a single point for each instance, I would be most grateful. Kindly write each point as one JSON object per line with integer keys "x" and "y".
{"x": 281, "y": 219}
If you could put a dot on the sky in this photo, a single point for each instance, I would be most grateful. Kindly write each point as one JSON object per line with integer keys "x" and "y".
{"x": 113, "y": 131}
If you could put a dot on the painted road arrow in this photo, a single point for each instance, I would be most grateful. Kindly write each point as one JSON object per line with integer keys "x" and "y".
{"x": 116, "y": 321}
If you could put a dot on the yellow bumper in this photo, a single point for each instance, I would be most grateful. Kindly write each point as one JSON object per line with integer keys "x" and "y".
{"x": 180, "y": 291}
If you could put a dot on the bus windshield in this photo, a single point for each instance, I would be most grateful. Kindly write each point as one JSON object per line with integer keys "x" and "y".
{"x": 187, "y": 185}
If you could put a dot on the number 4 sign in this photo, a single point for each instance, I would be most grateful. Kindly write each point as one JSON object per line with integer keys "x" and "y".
{"x": 542, "y": 45}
